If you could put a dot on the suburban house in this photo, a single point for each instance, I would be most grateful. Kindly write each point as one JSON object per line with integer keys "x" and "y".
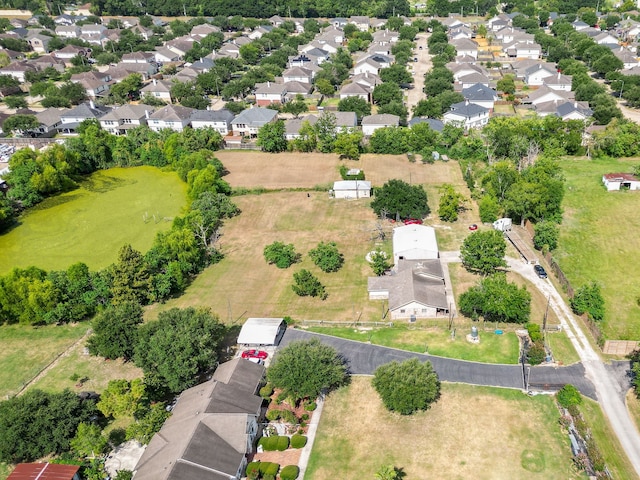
{"x": 45, "y": 471}
{"x": 621, "y": 181}
{"x": 219, "y": 120}
{"x": 174, "y": 117}
{"x": 39, "y": 43}
{"x": 70, "y": 51}
{"x": 558, "y": 82}
{"x": 211, "y": 430}
{"x": 71, "y": 119}
{"x": 467, "y": 115}
{"x": 119, "y": 120}
{"x": 480, "y": 94}
{"x": 535, "y": 74}
{"x": 96, "y": 84}
{"x": 298, "y": 74}
{"x": 546, "y": 94}
{"x": 352, "y": 189}
{"x": 270, "y": 93}
{"x": 292, "y": 126}
{"x": 434, "y": 123}
{"x": 49, "y": 120}
{"x": 248, "y": 122}
{"x": 355, "y": 90}
{"x": 160, "y": 89}
{"x": 465, "y": 46}
{"x": 138, "y": 57}
{"x": 370, "y": 123}
{"x": 17, "y": 70}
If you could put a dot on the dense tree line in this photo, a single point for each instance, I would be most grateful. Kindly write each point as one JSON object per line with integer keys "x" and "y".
{"x": 34, "y": 296}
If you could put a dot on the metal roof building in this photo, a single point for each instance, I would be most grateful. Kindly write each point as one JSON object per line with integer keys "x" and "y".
{"x": 262, "y": 331}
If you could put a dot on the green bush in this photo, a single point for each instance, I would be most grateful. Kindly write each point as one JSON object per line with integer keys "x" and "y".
{"x": 534, "y": 332}
{"x": 266, "y": 391}
{"x": 536, "y": 353}
{"x": 588, "y": 299}
{"x": 283, "y": 256}
{"x": 304, "y": 417}
{"x": 268, "y": 476}
{"x": 253, "y": 470}
{"x": 310, "y": 407}
{"x": 568, "y": 396}
{"x": 298, "y": 441}
{"x": 273, "y": 415}
{"x": 269, "y": 468}
{"x": 282, "y": 444}
{"x": 290, "y": 472}
{"x": 288, "y": 416}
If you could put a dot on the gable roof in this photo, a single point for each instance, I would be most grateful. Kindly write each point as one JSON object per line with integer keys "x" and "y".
{"x": 43, "y": 471}
{"x": 479, "y": 92}
{"x": 467, "y": 109}
{"x": 256, "y": 116}
{"x": 172, "y": 113}
{"x": 381, "y": 119}
{"x": 222, "y": 115}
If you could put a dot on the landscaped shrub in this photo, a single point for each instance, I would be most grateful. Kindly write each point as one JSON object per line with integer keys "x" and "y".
{"x": 273, "y": 415}
{"x": 298, "y": 441}
{"x": 253, "y": 470}
{"x": 288, "y": 416}
{"x": 282, "y": 444}
{"x": 266, "y": 391}
{"x": 534, "y": 332}
{"x": 536, "y": 353}
{"x": 310, "y": 407}
{"x": 268, "y": 476}
{"x": 304, "y": 417}
{"x": 269, "y": 468}
{"x": 568, "y": 396}
{"x": 268, "y": 444}
{"x": 290, "y": 472}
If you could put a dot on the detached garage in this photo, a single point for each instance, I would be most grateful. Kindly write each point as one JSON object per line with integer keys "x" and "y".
{"x": 352, "y": 189}
{"x": 621, "y": 181}
{"x": 262, "y": 331}
{"x": 414, "y": 242}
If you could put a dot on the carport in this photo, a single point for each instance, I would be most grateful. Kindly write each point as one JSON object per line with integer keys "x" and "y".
{"x": 262, "y": 331}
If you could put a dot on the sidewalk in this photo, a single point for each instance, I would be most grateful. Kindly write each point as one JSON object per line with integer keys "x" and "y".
{"x": 311, "y": 436}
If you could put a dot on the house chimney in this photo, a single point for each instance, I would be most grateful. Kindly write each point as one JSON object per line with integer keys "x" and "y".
{"x": 559, "y": 75}
{"x": 146, "y": 114}
{"x": 155, "y": 82}
{"x": 92, "y": 105}
{"x": 268, "y": 84}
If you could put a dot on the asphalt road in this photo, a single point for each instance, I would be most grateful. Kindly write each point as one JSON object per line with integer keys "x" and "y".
{"x": 364, "y": 358}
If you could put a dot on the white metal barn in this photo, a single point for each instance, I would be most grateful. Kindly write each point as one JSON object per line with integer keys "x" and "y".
{"x": 414, "y": 242}
{"x": 352, "y": 189}
{"x": 262, "y": 331}
{"x": 620, "y": 181}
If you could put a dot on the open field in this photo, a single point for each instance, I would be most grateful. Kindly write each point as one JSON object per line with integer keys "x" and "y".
{"x": 633, "y": 405}
{"x": 470, "y": 433}
{"x": 607, "y": 441}
{"x": 242, "y": 284}
{"x": 436, "y": 340}
{"x": 91, "y": 223}
{"x": 600, "y": 236}
{"x": 27, "y": 350}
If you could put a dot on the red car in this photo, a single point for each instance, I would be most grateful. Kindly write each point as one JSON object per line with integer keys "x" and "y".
{"x": 413, "y": 221}
{"x": 254, "y": 354}
{"x": 473, "y": 227}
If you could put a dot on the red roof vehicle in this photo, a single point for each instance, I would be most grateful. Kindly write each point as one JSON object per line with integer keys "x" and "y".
{"x": 255, "y": 354}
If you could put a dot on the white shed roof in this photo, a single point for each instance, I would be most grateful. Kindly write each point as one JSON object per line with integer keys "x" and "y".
{"x": 352, "y": 185}
{"x": 261, "y": 331}
{"x": 412, "y": 237}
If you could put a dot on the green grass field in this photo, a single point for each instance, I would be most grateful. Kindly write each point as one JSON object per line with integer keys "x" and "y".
{"x": 90, "y": 224}
{"x": 599, "y": 238}
{"x": 437, "y": 341}
{"x": 27, "y": 350}
{"x": 470, "y": 433}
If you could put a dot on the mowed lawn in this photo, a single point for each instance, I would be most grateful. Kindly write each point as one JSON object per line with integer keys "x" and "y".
{"x": 90, "y": 224}
{"x": 27, "y": 350}
{"x": 243, "y": 285}
{"x": 600, "y": 239}
{"x": 470, "y": 433}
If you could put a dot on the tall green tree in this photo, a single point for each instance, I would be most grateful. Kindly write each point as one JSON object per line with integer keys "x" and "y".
{"x": 131, "y": 278}
{"x": 115, "y": 331}
{"x": 271, "y": 137}
{"x": 397, "y": 198}
{"x": 303, "y": 369}
{"x": 483, "y": 252}
{"x": 496, "y": 300}
{"x": 327, "y": 257}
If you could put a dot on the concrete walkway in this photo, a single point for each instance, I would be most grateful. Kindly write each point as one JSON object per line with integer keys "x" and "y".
{"x": 311, "y": 437}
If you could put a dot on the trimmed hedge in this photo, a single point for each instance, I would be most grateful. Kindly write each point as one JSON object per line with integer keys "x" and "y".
{"x": 290, "y": 472}
{"x": 269, "y": 468}
{"x": 251, "y": 469}
{"x": 298, "y": 441}
{"x": 266, "y": 391}
{"x": 310, "y": 407}
{"x": 273, "y": 443}
{"x": 273, "y": 415}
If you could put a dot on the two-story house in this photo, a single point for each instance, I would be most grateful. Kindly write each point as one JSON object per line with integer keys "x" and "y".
{"x": 119, "y": 120}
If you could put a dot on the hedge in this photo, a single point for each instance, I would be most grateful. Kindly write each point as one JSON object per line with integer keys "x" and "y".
{"x": 290, "y": 472}
{"x": 273, "y": 415}
{"x": 252, "y": 467}
{"x": 266, "y": 391}
{"x": 273, "y": 443}
{"x": 310, "y": 407}
{"x": 298, "y": 441}
{"x": 269, "y": 468}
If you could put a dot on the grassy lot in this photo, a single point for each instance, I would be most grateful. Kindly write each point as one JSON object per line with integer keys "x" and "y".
{"x": 92, "y": 222}
{"x": 470, "y": 433}
{"x": 436, "y": 340}
{"x": 244, "y": 285}
{"x": 96, "y": 372}
{"x": 594, "y": 247}
{"x": 612, "y": 451}
{"x": 633, "y": 405}
{"x": 26, "y": 351}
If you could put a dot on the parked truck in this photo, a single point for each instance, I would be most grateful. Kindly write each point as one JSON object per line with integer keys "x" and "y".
{"x": 503, "y": 224}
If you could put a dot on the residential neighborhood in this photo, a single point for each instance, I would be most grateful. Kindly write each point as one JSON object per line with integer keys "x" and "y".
{"x": 253, "y": 244}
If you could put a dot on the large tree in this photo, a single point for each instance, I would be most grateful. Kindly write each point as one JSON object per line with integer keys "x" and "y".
{"x": 397, "y": 198}
{"x": 115, "y": 331}
{"x": 407, "y": 387}
{"x": 38, "y": 424}
{"x": 303, "y": 369}
{"x": 173, "y": 350}
{"x": 496, "y": 300}
{"x": 271, "y": 137}
{"x": 483, "y": 252}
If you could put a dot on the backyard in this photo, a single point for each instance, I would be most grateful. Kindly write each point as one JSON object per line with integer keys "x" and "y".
{"x": 470, "y": 433}
{"x": 598, "y": 239}
{"x": 90, "y": 224}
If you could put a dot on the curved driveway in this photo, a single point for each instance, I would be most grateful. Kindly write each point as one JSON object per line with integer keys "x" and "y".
{"x": 364, "y": 358}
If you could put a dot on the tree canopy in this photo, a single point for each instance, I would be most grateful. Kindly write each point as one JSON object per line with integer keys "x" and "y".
{"x": 483, "y": 252}
{"x": 398, "y": 199}
{"x": 496, "y": 300}
{"x": 407, "y": 387}
{"x": 303, "y": 369}
{"x": 115, "y": 331}
{"x": 327, "y": 257}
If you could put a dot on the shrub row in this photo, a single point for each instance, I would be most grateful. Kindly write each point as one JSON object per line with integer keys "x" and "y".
{"x": 298, "y": 441}
{"x": 273, "y": 443}
{"x": 287, "y": 416}
{"x": 290, "y": 472}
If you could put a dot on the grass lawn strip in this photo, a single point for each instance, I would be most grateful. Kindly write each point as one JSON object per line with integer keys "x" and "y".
{"x": 470, "y": 433}
{"x": 595, "y": 245}
{"x": 90, "y": 224}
